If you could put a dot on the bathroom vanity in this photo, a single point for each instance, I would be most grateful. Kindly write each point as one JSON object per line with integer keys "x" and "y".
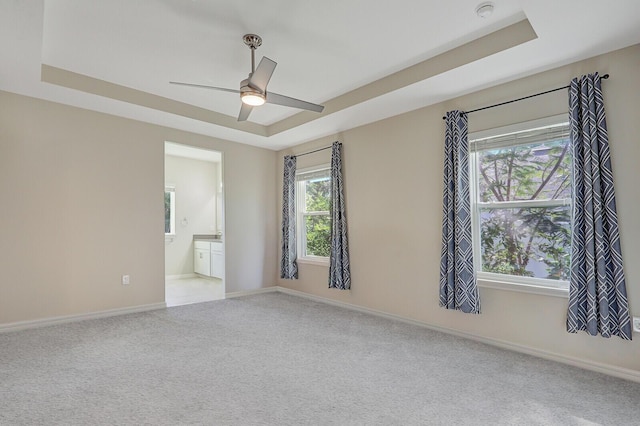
{"x": 208, "y": 256}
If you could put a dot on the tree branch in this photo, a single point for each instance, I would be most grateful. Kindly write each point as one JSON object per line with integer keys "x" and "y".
{"x": 509, "y": 170}
{"x": 561, "y": 187}
{"x": 548, "y": 178}
{"x": 530, "y": 242}
{"x": 495, "y": 174}
{"x": 491, "y": 187}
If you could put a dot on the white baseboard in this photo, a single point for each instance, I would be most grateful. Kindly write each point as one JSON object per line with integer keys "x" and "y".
{"x": 180, "y": 277}
{"x": 611, "y": 370}
{"x": 44, "y": 322}
{"x": 250, "y": 292}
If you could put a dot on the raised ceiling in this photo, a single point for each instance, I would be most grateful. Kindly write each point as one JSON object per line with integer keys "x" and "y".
{"x": 364, "y": 60}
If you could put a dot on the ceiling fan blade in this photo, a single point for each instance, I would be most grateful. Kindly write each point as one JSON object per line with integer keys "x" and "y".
{"x": 274, "y": 98}
{"x": 245, "y": 110}
{"x": 202, "y": 86}
{"x": 261, "y": 76}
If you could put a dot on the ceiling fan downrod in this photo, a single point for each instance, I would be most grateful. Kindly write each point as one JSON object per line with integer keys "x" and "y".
{"x": 253, "y": 41}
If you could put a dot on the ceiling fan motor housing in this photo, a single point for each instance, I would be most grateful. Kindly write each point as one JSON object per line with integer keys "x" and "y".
{"x": 245, "y": 87}
{"x": 251, "y": 95}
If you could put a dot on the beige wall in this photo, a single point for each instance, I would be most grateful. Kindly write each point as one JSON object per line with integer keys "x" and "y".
{"x": 393, "y": 184}
{"x": 196, "y": 187}
{"x": 83, "y": 204}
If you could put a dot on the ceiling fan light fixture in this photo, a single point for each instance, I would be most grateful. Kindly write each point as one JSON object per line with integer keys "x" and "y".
{"x": 252, "y": 98}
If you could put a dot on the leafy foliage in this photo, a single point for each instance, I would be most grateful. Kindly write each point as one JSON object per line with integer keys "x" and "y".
{"x": 525, "y": 241}
{"x": 318, "y": 227}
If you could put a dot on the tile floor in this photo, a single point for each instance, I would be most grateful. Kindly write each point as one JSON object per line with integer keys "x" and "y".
{"x": 185, "y": 291}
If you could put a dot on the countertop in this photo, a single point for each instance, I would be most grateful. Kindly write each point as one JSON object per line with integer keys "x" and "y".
{"x": 211, "y": 238}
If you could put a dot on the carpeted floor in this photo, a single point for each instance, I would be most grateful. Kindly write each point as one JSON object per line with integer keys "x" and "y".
{"x": 275, "y": 359}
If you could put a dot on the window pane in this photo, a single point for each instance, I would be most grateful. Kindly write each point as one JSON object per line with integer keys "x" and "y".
{"x": 538, "y": 171}
{"x": 167, "y": 212}
{"x": 531, "y": 242}
{"x": 317, "y": 195}
{"x": 318, "y": 235}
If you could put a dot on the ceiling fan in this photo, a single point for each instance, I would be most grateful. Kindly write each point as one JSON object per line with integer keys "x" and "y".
{"x": 253, "y": 90}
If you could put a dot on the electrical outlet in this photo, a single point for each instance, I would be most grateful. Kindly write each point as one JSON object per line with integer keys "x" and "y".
{"x": 636, "y": 324}
{"x": 126, "y": 280}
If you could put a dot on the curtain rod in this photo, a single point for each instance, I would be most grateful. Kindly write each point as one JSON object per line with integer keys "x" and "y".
{"x": 311, "y": 152}
{"x": 604, "y": 77}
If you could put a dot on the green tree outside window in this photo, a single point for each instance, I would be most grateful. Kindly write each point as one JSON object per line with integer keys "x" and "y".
{"x": 318, "y": 227}
{"x": 515, "y": 238}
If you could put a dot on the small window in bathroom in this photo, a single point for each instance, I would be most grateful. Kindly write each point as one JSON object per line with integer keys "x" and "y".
{"x": 169, "y": 210}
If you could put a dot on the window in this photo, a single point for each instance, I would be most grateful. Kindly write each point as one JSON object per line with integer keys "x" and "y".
{"x": 169, "y": 210}
{"x": 313, "y": 188}
{"x": 521, "y": 203}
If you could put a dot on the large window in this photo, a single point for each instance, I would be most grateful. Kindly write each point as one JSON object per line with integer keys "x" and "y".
{"x": 521, "y": 203}
{"x": 313, "y": 188}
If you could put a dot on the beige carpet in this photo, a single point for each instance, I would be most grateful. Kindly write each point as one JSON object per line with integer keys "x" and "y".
{"x": 275, "y": 359}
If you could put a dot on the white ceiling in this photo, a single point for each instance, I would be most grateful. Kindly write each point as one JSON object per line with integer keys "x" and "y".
{"x": 335, "y": 52}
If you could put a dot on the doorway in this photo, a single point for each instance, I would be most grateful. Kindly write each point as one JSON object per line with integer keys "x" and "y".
{"x": 194, "y": 225}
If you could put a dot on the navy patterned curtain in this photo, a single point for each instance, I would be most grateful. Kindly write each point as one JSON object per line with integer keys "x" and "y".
{"x": 458, "y": 288}
{"x": 597, "y": 292}
{"x": 339, "y": 271}
{"x": 288, "y": 265}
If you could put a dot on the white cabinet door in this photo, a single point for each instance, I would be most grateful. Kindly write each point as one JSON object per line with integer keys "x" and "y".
{"x": 201, "y": 262}
{"x": 217, "y": 264}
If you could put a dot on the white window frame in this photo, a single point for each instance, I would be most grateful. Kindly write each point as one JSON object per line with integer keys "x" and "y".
{"x": 301, "y": 240}
{"x": 516, "y": 283}
{"x": 171, "y": 189}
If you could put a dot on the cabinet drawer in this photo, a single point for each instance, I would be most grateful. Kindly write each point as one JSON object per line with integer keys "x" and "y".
{"x": 201, "y": 245}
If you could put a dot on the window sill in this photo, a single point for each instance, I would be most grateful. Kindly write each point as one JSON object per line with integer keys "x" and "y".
{"x": 169, "y": 238}
{"x": 523, "y": 288}
{"x": 312, "y": 261}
